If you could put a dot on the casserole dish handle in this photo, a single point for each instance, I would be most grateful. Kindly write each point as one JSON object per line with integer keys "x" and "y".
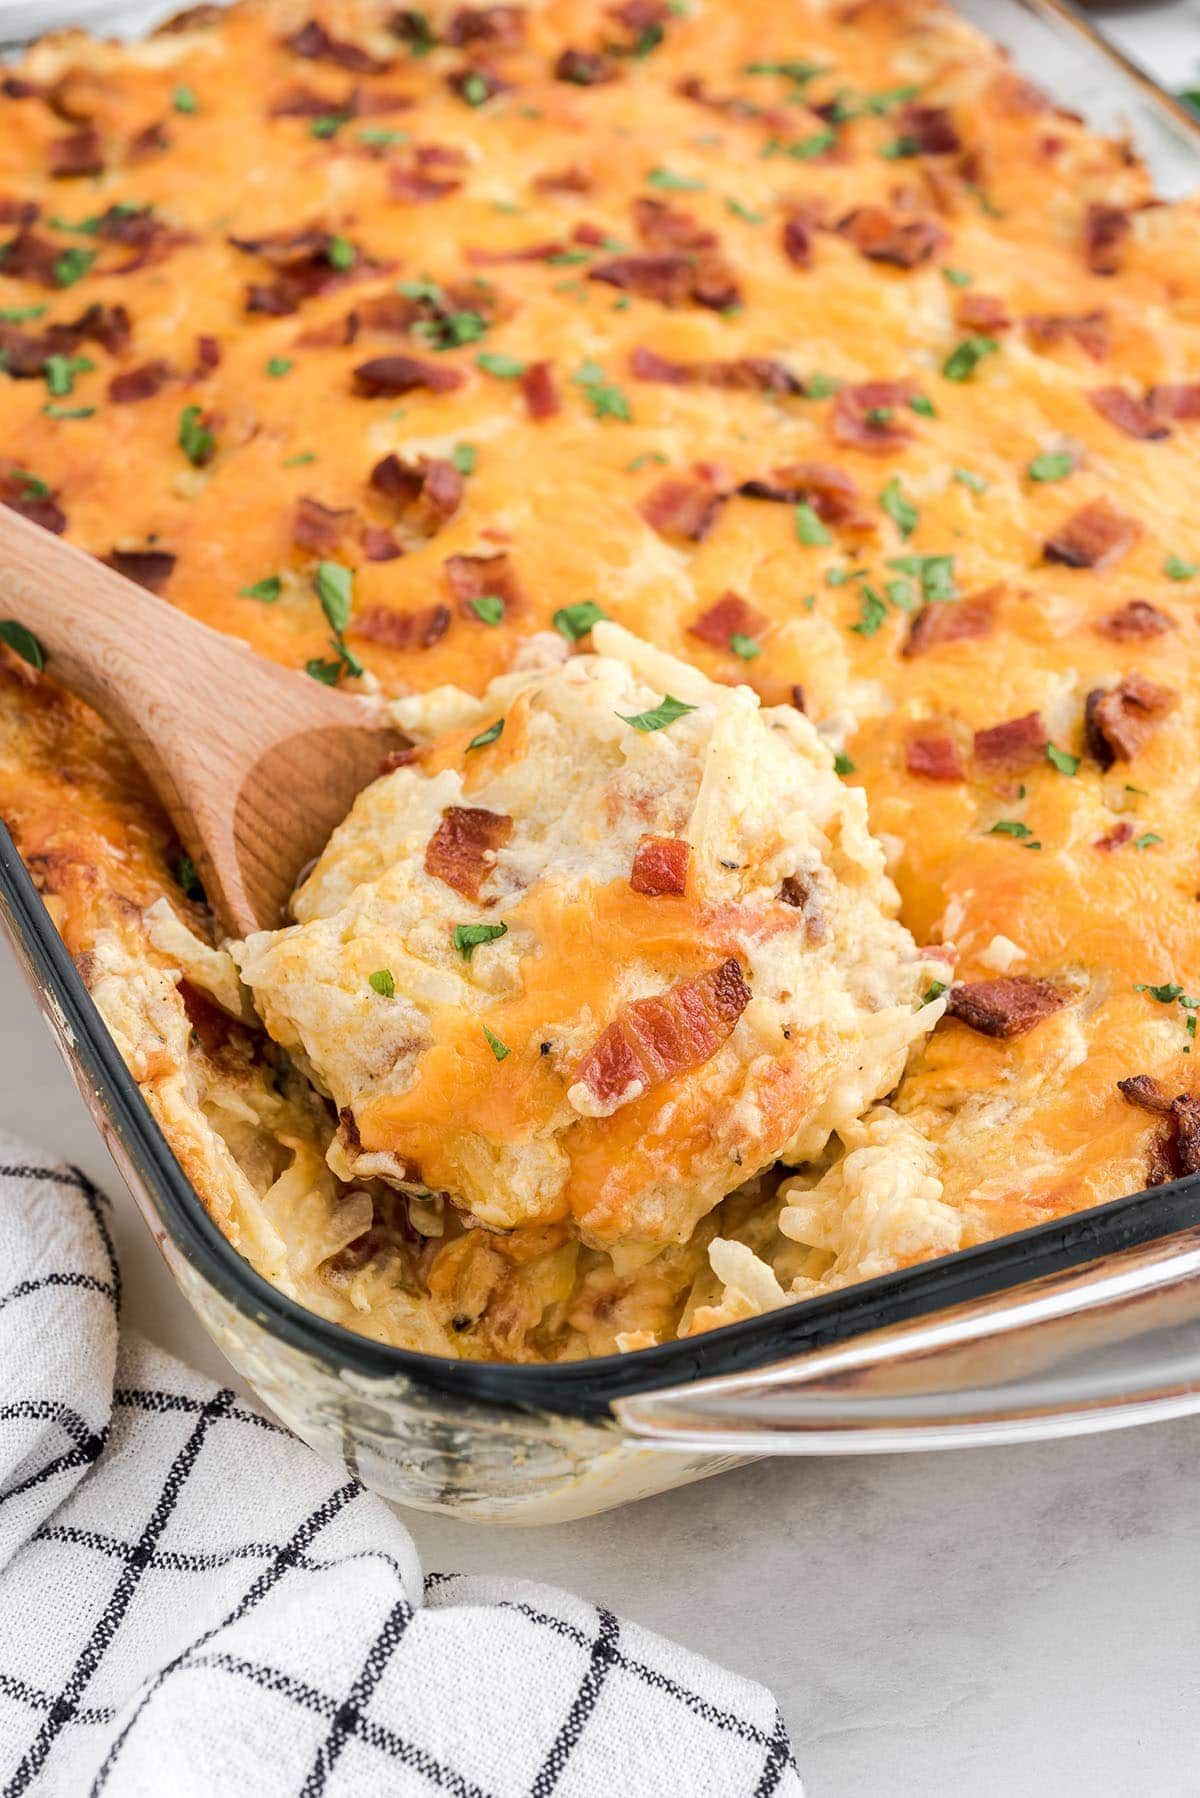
{"x": 1110, "y": 1343}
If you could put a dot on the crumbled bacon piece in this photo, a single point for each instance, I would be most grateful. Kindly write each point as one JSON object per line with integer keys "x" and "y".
{"x": 670, "y": 279}
{"x": 751, "y": 374}
{"x": 140, "y": 383}
{"x": 21, "y": 494}
{"x": 208, "y": 355}
{"x": 798, "y": 238}
{"x": 586, "y": 68}
{"x": 930, "y": 128}
{"x": 934, "y": 758}
{"x": 1046, "y": 330}
{"x": 1118, "y": 722}
{"x": 1116, "y": 838}
{"x": 1176, "y": 400}
{"x": 571, "y": 180}
{"x": 150, "y": 568}
{"x": 1144, "y": 1091}
{"x": 501, "y": 26}
{"x": 317, "y": 527}
{"x": 873, "y": 416}
{"x": 881, "y": 236}
{"x": 661, "y": 226}
{"x": 379, "y": 545}
{"x": 402, "y": 630}
{"x": 683, "y": 508}
{"x": 1006, "y": 1007}
{"x": 660, "y": 866}
{"x": 401, "y": 374}
{"x": 831, "y": 492}
{"x": 640, "y": 16}
{"x": 1105, "y": 236}
{"x": 1134, "y": 621}
{"x": 652, "y": 1040}
{"x": 1094, "y": 537}
{"x": 540, "y": 390}
{"x": 1128, "y": 413}
{"x": 427, "y": 493}
{"x": 803, "y": 893}
{"x": 313, "y": 42}
{"x": 730, "y": 617}
{"x": 18, "y": 212}
{"x": 304, "y": 267}
{"x": 474, "y": 577}
{"x": 413, "y": 187}
{"x": 80, "y": 153}
{"x": 463, "y": 848}
{"x": 151, "y": 140}
{"x": 648, "y": 365}
{"x": 982, "y": 312}
{"x": 939, "y": 622}
{"x": 28, "y": 257}
{"x": 1017, "y": 744}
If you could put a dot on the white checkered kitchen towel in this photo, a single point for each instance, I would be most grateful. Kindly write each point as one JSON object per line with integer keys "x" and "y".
{"x": 192, "y": 1603}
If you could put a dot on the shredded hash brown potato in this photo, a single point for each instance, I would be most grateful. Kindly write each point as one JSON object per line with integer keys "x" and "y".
{"x": 819, "y": 351}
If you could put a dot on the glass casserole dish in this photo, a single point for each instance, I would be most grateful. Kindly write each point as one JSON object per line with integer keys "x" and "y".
{"x": 529, "y": 1443}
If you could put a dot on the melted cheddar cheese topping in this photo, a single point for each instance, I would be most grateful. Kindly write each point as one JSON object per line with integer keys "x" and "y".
{"x": 818, "y": 349}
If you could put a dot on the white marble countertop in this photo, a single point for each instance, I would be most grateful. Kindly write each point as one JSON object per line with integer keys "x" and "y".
{"x": 987, "y": 1622}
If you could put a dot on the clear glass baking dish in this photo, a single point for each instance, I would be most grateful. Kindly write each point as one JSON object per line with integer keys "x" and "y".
{"x": 1089, "y": 1322}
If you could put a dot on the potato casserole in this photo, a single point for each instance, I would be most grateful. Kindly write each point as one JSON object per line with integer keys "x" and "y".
{"x": 753, "y": 454}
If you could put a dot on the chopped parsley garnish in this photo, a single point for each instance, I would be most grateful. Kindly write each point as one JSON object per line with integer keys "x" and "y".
{"x": 378, "y": 137}
{"x": 898, "y": 147}
{"x": 329, "y": 124}
{"x": 1008, "y": 827}
{"x": 474, "y": 89}
{"x": 384, "y": 983}
{"x": 671, "y": 183}
{"x": 842, "y": 764}
{"x": 1176, "y": 569}
{"x": 419, "y": 33}
{"x": 900, "y": 593}
{"x": 335, "y": 589}
{"x": 900, "y": 510}
{"x": 605, "y": 398}
{"x": 746, "y": 647}
{"x": 463, "y": 456}
{"x": 487, "y": 736}
{"x": 956, "y": 277}
{"x": 1055, "y": 465}
{"x": 500, "y": 1050}
{"x": 506, "y": 368}
{"x": 935, "y": 573}
{"x": 567, "y": 259}
{"x": 741, "y": 211}
{"x": 298, "y": 461}
{"x": 967, "y": 478}
{"x": 489, "y": 607}
{"x": 467, "y": 937}
{"x": 32, "y": 486}
{"x": 878, "y": 415}
{"x": 1166, "y": 995}
{"x": 809, "y": 528}
{"x": 60, "y": 372}
{"x": 1061, "y": 759}
{"x": 341, "y": 253}
{"x": 934, "y": 990}
{"x": 189, "y": 881}
{"x": 659, "y": 716}
{"x": 195, "y": 439}
{"x": 819, "y": 386}
{"x": 1147, "y": 840}
{"x": 268, "y": 589}
{"x": 21, "y": 315}
{"x": 53, "y": 411}
{"x": 795, "y": 71}
{"x": 422, "y": 290}
{"x": 279, "y": 365}
{"x": 450, "y": 330}
{"x": 922, "y": 406}
{"x": 23, "y": 642}
{"x": 872, "y": 613}
{"x": 838, "y": 577}
{"x": 806, "y": 149}
{"x": 576, "y": 621}
{"x": 965, "y": 358}
{"x": 72, "y": 265}
{"x": 646, "y": 457}
{"x": 184, "y": 100}
{"x": 330, "y": 673}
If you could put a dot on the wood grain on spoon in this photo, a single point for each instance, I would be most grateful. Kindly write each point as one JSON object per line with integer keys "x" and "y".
{"x": 254, "y": 763}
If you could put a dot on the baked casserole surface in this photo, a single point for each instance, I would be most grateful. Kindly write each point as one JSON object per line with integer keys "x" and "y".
{"x": 587, "y": 371}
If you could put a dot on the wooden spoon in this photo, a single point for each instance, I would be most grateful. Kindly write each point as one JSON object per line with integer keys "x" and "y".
{"x": 254, "y": 763}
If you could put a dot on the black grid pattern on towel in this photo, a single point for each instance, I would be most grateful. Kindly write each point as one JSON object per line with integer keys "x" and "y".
{"x": 191, "y": 1428}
